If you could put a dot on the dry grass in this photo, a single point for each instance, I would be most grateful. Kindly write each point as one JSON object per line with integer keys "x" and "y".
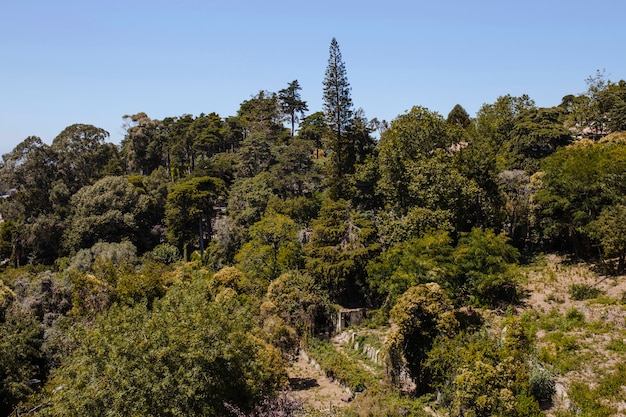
{"x": 581, "y": 340}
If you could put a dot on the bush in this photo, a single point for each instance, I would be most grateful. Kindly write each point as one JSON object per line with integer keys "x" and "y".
{"x": 542, "y": 384}
{"x": 185, "y": 356}
{"x": 165, "y": 253}
{"x": 340, "y": 367}
{"x": 581, "y": 292}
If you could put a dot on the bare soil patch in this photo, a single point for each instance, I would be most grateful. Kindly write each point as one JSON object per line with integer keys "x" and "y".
{"x": 316, "y": 391}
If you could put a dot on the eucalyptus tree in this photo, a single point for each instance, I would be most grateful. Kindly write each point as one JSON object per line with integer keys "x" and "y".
{"x": 143, "y": 147}
{"x": 84, "y": 156}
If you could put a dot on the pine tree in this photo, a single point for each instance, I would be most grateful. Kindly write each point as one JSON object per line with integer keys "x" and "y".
{"x": 292, "y": 103}
{"x": 338, "y": 115}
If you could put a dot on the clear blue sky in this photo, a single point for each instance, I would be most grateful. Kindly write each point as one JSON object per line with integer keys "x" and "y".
{"x": 64, "y": 62}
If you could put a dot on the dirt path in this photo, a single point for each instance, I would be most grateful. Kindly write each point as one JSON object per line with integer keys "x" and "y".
{"x": 313, "y": 387}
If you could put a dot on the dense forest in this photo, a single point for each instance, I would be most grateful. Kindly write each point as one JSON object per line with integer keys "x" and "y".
{"x": 180, "y": 272}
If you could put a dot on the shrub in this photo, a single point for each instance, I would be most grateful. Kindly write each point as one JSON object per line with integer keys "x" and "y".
{"x": 542, "y": 384}
{"x": 165, "y": 253}
{"x": 581, "y": 292}
{"x": 340, "y": 367}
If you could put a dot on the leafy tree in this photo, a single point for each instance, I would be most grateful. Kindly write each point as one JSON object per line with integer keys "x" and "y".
{"x": 83, "y": 155}
{"x": 609, "y": 230}
{"x": 180, "y": 144}
{"x": 338, "y": 115}
{"x": 517, "y": 192}
{"x": 110, "y": 210}
{"x": 248, "y": 199}
{"x": 599, "y": 110}
{"x": 165, "y": 253}
{"x": 272, "y": 249}
{"x": 186, "y": 355}
{"x": 412, "y": 137}
{"x": 578, "y": 182}
{"x": 342, "y": 241}
{"x": 209, "y": 132}
{"x": 537, "y": 133}
{"x": 496, "y": 121}
{"x": 118, "y": 253}
{"x": 294, "y": 173}
{"x": 29, "y": 169}
{"x": 615, "y": 95}
{"x": 40, "y": 237}
{"x": 314, "y": 128}
{"x": 407, "y": 264}
{"x": 417, "y": 169}
{"x": 300, "y": 301}
{"x": 8, "y": 231}
{"x": 394, "y": 229}
{"x": 420, "y": 315}
{"x": 189, "y": 208}
{"x": 291, "y": 103}
{"x": 486, "y": 269}
{"x": 256, "y": 155}
{"x": 143, "y": 146}
{"x": 263, "y": 114}
{"x": 233, "y": 278}
{"x": 480, "y": 162}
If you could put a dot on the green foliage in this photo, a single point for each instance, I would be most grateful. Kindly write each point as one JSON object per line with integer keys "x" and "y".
{"x": 185, "y": 356}
{"x": 256, "y": 155}
{"x": 609, "y": 231}
{"x": 165, "y": 253}
{"x": 487, "y": 270}
{"x": 8, "y": 231}
{"x": 542, "y": 384}
{"x": 248, "y": 199}
{"x": 118, "y": 253}
{"x": 478, "y": 376}
{"x": 83, "y": 156}
{"x": 300, "y": 302}
{"x": 21, "y": 361}
{"x": 272, "y": 249}
{"x": 110, "y": 210}
{"x": 578, "y": 183}
{"x": 416, "y": 261}
{"x": 581, "y": 292}
{"x": 537, "y": 133}
{"x": 596, "y": 401}
{"x": 419, "y": 316}
{"x": 459, "y": 116}
{"x": 291, "y": 103}
{"x": 340, "y": 367}
{"x": 395, "y": 229}
{"x": 190, "y": 203}
{"x": 230, "y": 277}
{"x": 480, "y": 270}
{"x": 7, "y": 296}
{"x": 341, "y": 244}
{"x": 338, "y": 112}
{"x": 411, "y": 138}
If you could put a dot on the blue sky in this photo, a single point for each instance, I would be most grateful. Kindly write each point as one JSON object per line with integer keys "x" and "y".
{"x": 67, "y": 62}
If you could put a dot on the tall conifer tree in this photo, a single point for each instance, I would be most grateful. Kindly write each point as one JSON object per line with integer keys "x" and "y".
{"x": 338, "y": 115}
